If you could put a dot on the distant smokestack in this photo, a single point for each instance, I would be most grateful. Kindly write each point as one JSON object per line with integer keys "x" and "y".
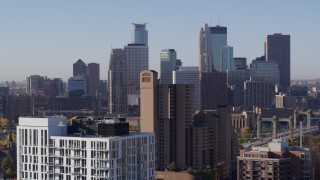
{"x": 300, "y": 134}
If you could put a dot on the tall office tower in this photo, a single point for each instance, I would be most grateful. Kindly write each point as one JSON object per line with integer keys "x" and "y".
{"x": 235, "y": 81}
{"x": 34, "y": 84}
{"x": 213, "y": 141}
{"x": 77, "y": 86}
{"x": 213, "y": 90}
{"x": 79, "y": 68}
{"x": 258, "y": 93}
{"x": 268, "y": 71}
{"x": 103, "y": 89}
{"x": 166, "y": 110}
{"x": 277, "y": 48}
{"x": 227, "y": 61}
{"x": 117, "y": 79}
{"x": 168, "y": 64}
{"x": 139, "y": 34}
{"x": 94, "y": 149}
{"x": 218, "y": 40}
{"x": 58, "y": 89}
{"x": 240, "y": 62}
{"x": 205, "y": 50}
{"x": 93, "y": 79}
{"x": 189, "y": 75}
{"x": 33, "y": 140}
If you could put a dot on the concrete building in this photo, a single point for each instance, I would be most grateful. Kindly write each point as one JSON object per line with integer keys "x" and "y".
{"x": 240, "y": 62}
{"x": 168, "y": 64}
{"x": 77, "y": 86}
{"x": 258, "y": 94}
{"x": 278, "y": 161}
{"x": 213, "y": 90}
{"x": 92, "y": 79}
{"x": 243, "y": 119}
{"x": 137, "y": 57}
{"x": 285, "y": 101}
{"x": 117, "y": 79}
{"x": 166, "y": 110}
{"x": 18, "y": 105}
{"x": 34, "y": 84}
{"x": 213, "y": 141}
{"x": 277, "y": 48}
{"x": 266, "y": 70}
{"x": 227, "y": 61}
{"x": 79, "y": 68}
{"x": 47, "y": 151}
{"x": 189, "y": 75}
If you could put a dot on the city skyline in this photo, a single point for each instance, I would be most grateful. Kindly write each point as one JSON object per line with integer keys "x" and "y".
{"x": 46, "y": 38}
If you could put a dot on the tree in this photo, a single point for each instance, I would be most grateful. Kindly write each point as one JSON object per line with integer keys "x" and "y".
{"x": 172, "y": 166}
{"x": 4, "y": 122}
{"x": 70, "y": 120}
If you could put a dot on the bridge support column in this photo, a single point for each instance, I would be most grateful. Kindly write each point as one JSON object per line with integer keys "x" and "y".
{"x": 274, "y": 125}
{"x": 295, "y": 116}
{"x": 309, "y": 119}
{"x": 258, "y": 127}
{"x": 290, "y": 128}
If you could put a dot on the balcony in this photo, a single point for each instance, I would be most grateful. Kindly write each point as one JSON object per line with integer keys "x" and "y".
{"x": 75, "y": 173}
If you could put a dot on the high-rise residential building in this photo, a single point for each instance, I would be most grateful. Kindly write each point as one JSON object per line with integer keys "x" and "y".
{"x": 240, "y": 62}
{"x": 258, "y": 93}
{"x": 227, "y": 61}
{"x": 79, "y": 68}
{"x": 218, "y": 40}
{"x": 117, "y": 79}
{"x": 77, "y": 86}
{"x": 277, "y": 48}
{"x": 34, "y": 84}
{"x": 268, "y": 71}
{"x": 213, "y": 90}
{"x": 168, "y": 64}
{"x": 235, "y": 81}
{"x": 90, "y": 149}
{"x": 205, "y": 50}
{"x": 213, "y": 141}
{"x": 93, "y": 79}
{"x": 189, "y": 75}
{"x": 166, "y": 110}
{"x": 139, "y": 34}
{"x": 278, "y": 161}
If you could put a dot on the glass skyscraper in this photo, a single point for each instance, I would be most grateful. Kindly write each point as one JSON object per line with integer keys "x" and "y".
{"x": 139, "y": 34}
{"x": 168, "y": 64}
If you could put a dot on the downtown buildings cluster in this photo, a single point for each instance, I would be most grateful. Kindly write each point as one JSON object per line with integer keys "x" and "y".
{"x": 187, "y": 118}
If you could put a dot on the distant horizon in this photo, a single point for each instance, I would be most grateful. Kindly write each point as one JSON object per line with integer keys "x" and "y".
{"x": 46, "y": 38}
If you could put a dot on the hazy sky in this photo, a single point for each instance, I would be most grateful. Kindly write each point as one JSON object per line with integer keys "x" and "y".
{"x": 47, "y": 37}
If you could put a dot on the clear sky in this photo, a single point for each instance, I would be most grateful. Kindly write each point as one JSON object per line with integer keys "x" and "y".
{"x": 47, "y": 37}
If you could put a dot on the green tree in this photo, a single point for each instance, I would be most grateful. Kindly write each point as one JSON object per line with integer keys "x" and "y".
{"x": 172, "y": 166}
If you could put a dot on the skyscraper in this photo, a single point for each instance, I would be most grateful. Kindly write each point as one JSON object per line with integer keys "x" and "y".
{"x": 168, "y": 64}
{"x": 117, "y": 83}
{"x": 189, "y": 75}
{"x": 139, "y": 34}
{"x": 137, "y": 57}
{"x": 93, "y": 79}
{"x": 205, "y": 50}
{"x": 211, "y": 42}
{"x": 218, "y": 40}
{"x": 213, "y": 90}
{"x": 166, "y": 110}
{"x": 79, "y": 68}
{"x": 277, "y": 48}
{"x": 227, "y": 61}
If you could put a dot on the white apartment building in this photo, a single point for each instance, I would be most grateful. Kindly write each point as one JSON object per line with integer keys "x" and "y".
{"x": 45, "y": 151}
